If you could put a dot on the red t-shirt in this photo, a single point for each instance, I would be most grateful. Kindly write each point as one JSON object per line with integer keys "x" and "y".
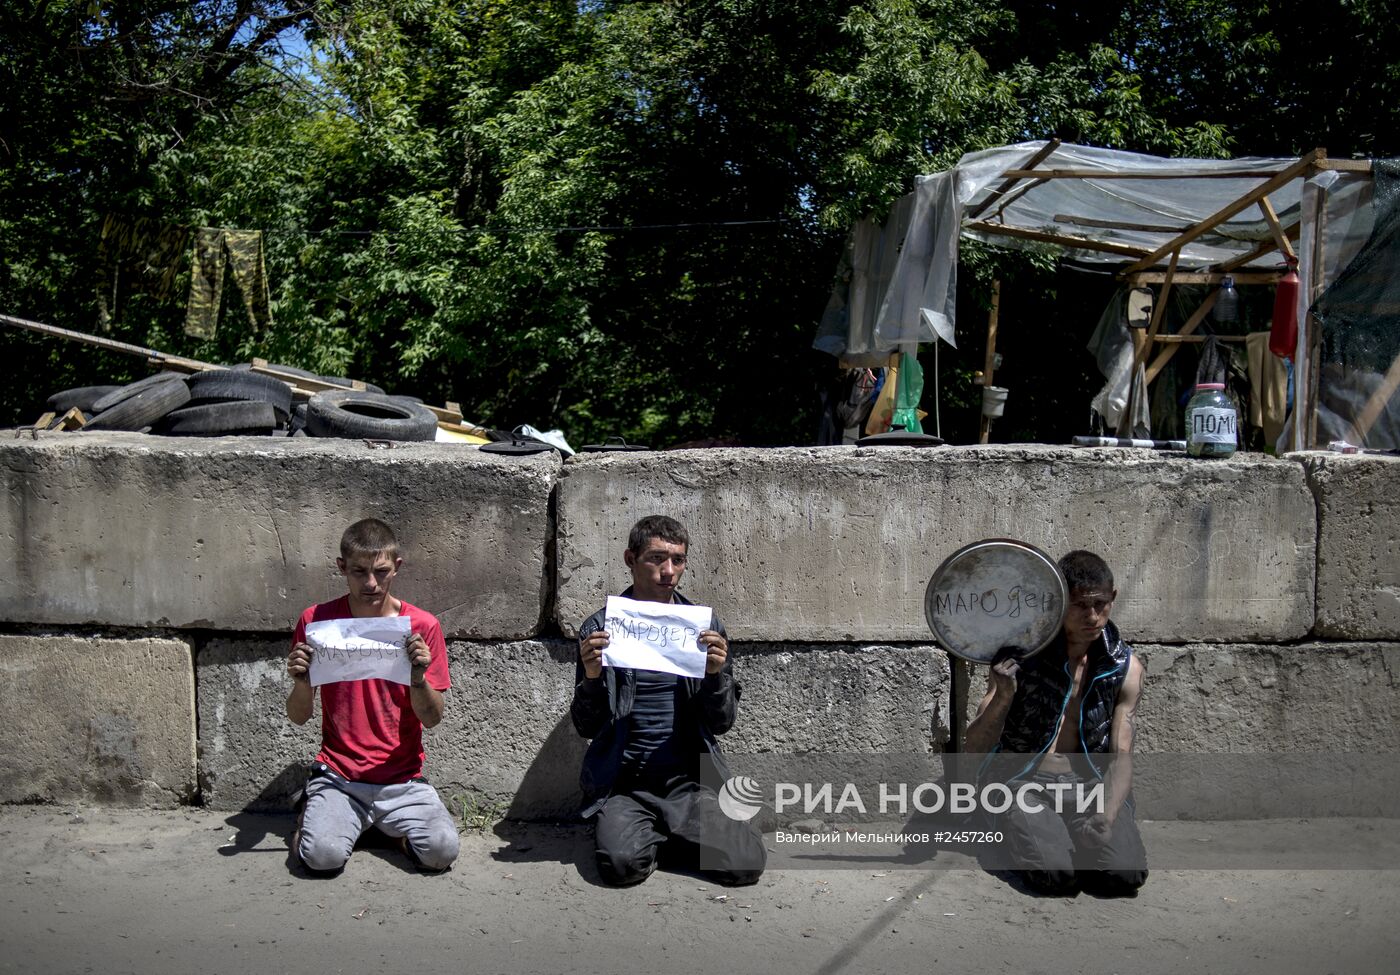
{"x": 369, "y": 732}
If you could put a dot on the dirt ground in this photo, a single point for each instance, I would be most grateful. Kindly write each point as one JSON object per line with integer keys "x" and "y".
{"x": 109, "y": 891}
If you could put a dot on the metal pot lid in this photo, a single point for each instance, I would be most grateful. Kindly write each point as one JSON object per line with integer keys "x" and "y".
{"x": 900, "y": 438}
{"x": 611, "y": 445}
{"x": 996, "y": 593}
{"x": 516, "y": 447}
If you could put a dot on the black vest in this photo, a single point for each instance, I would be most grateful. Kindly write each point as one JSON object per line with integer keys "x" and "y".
{"x": 1042, "y": 693}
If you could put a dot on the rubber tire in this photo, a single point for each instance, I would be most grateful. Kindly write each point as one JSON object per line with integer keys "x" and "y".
{"x": 367, "y": 416}
{"x": 143, "y": 409}
{"x": 224, "y": 385}
{"x": 121, "y": 393}
{"x": 219, "y": 419}
{"x": 83, "y": 397}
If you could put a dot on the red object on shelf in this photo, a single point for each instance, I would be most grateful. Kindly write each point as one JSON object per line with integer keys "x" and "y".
{"x": 1283, "y": 334}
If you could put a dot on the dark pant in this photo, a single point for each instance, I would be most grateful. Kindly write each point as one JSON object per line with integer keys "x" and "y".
{"x": 1058, "y": 853}
{"x": 684, "y": 815}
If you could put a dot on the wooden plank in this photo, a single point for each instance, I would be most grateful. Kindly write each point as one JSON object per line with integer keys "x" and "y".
{"x": 1178, "y": 338}
{"x": 304, "y": 387}
{"x": 1312, "y": 388}
{"x": 470, "y": 429}
{"x": 984, "y": 432}
{"x": 1292, "y": 233}
{"x": 1280, "y": 238}
{"x": 1376, "y": 404}
{"x": 1015, "y": 195}
{"x": 1064, "y": 240}
{"x": 72, "y": 420}
{"x": 451, "y": 413}
{"x": 175, "y": 363}
{"x": 1035, "y": 160}
{"x": 1148, "y": 228}
{"x": 1187, "y": 327}
{"x": 1225, "y": 213}
{"x": 1204, "y": 277}
{"x": 1344, "y": 165}
{"x": 111, "y": 345}
{"x": 312, "y": 383}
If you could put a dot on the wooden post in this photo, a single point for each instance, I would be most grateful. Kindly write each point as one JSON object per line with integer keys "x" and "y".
{"x": 1275, "y": 228}
{"x": 1305, "y": 394}
{"x": 989, "y": 368}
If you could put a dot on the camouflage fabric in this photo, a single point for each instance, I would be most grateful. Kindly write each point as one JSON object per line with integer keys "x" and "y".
{"x": 150, "y": 250}
{"x": 244, "y": 251}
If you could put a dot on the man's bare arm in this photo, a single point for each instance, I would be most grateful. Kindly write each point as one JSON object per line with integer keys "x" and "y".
{"x": 301, "y": 701}
{"x": 427, "y": 700}
{"x": 984, "y": 730}
{"x": 428, "y": 703}
{"x": 1120, "y": 742}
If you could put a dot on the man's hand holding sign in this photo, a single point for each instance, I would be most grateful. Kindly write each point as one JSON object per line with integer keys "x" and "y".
{"x": 666, "y": 637}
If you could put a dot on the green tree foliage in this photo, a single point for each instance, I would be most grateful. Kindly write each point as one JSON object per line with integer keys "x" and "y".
{"x": 617, "y": 218}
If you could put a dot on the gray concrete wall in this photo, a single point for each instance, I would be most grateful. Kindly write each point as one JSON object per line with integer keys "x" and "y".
{"x": 1309, "y": 697}
{"x": 96, "y": 718}
{"x": 839, "y": 543}
{"x": 817, "y": 559}
{"x": 241, "y": 533}
{"x": 1358, "y": 545}
{"x": 1258, "y": 731}
{"x": 507, "y": 743}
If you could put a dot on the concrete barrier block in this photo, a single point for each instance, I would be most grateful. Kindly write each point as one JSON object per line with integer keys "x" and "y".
{"x": 1358, "y": 545}
{"x": 250, "y": 754}
{"x": 241, "y": 534}
{"x": 507, "y": 745}
{"x": 1310, "y": 697}
{"x": 839, "y": 543}
{"x": 1313, "y": 697}
{"x": 841, "y": 699}
{"x": 96, "y": 718}
{"x": 1259, "y": 732}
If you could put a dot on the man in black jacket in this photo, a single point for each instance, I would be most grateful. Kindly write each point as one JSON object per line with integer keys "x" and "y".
{"x": 653, "y": 734}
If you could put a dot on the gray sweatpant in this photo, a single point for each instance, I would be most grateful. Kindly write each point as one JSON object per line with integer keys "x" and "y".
{"x": 338, "y": 811}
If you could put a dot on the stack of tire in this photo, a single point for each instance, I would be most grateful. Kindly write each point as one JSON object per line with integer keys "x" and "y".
{"x": 238, "y": 402}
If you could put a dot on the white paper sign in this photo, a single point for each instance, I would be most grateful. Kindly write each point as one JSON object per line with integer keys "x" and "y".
{"x": 359, "y": 649}
{"x": 655, "y": 636}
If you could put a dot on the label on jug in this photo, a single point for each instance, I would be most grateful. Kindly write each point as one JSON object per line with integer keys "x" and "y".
{"x": 1211, "y": 424}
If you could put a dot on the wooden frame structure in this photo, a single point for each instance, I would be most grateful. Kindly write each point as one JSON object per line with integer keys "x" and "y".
{"x": 1153, "y": 348}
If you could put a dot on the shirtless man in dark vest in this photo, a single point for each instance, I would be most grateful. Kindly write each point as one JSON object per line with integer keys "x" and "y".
{"x": 1062, "y": 722}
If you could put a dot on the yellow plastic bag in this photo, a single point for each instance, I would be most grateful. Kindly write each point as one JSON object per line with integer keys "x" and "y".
{"x": 883, "y": 410}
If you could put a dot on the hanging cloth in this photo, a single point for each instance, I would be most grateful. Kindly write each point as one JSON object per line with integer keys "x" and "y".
{"x": 906, "y": 399}
{"x": 1268, "y": 386}
{"x": 149, "y": 250}
{"x": 244, "y": 252}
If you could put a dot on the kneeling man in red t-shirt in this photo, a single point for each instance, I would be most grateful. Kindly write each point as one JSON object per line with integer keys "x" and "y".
{"x": 370, "y": 768}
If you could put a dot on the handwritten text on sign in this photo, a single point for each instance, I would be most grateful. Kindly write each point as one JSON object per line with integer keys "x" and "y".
{"x": 655, "y": 636}
{"x": 995, "y": 602}
{"x": 360, "y": 649}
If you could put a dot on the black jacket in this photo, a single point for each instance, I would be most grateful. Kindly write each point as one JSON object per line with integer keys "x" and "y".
{"x": 602, "y": 708}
